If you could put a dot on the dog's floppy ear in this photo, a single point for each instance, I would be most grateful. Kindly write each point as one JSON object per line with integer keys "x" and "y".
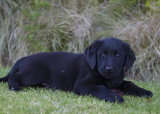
{"x": 130, "y": 57}
{"x": 90, "y": 53}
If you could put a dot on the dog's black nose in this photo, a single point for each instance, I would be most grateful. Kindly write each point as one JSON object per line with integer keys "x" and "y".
{"x": 109, "y": 69}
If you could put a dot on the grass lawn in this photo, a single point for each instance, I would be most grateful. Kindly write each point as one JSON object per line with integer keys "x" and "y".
{"x": 40, "y": 100}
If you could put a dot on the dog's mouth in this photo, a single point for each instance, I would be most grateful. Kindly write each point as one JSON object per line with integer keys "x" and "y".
{"x": 108, "y": 75}
{"x": 45, "y": 85}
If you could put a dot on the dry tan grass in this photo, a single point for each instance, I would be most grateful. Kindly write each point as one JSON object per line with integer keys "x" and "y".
{"x": 143, "y": 34}
{"x": 11, "y": 45}
{"x": 72, "y": 25}
{"x": 56, "y": 28}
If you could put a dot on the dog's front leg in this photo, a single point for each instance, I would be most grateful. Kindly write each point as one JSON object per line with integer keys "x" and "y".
{"x": 128, "y": 87}
{"x": 98, "y": 91}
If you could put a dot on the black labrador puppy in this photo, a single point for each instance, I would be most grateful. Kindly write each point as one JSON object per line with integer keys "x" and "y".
{"x": 96, "y": 72}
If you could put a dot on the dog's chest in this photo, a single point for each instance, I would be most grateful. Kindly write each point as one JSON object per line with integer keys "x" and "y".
{"x": 113, "y": 83}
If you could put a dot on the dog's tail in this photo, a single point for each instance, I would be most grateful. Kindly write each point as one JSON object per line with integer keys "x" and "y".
{"x": 13, "y": 71}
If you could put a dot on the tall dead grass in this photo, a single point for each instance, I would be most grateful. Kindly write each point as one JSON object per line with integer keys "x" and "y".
{"x": 30, "y": 27}
{"x": 143, "y": 34}
{"x": 11, "y": 45}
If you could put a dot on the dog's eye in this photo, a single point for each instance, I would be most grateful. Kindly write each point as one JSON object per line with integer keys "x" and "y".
{"x": 102, "y": 55}
{"x": 116, "y": 53}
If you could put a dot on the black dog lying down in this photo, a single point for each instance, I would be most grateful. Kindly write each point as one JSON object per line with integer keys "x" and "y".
{"x": 95, "y": 72}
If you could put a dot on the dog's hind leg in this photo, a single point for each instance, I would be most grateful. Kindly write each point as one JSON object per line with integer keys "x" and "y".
{"x": 14, "y": 84}
{"x": 23, "y": 79}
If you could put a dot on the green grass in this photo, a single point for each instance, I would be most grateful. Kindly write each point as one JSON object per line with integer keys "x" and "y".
{"x": 40, "y": 100}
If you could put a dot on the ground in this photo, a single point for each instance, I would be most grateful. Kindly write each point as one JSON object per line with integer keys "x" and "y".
{"x": 41, "y": 100}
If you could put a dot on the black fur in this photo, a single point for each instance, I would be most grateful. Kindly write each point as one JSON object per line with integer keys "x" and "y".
{"x": 95, "y": 72}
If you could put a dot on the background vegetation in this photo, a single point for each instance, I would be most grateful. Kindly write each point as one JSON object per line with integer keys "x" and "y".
{"x": 30, "y": 26}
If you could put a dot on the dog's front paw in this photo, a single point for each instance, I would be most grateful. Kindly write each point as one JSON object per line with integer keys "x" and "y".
{"x": 115, "y": 98}
{"x": 145, "y": 93}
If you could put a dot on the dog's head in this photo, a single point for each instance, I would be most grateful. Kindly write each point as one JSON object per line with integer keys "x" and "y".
{"x": 110, "y": 56}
